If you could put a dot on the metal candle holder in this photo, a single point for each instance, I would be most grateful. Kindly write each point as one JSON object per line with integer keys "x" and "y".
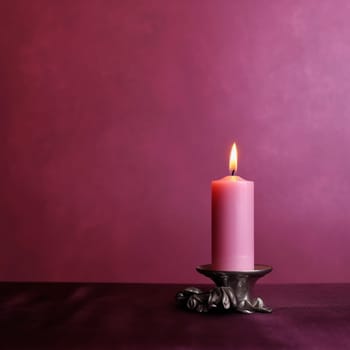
{"x": 232, "y": 292}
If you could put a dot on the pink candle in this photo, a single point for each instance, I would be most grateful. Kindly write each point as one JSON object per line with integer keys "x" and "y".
{"x": 233, "y": 221}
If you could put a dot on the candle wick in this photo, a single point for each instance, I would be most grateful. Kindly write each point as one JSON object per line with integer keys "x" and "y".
{"x": 233, "y": 172}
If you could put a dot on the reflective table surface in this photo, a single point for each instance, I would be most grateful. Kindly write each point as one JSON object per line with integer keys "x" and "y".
{"x": 145, "y": 316}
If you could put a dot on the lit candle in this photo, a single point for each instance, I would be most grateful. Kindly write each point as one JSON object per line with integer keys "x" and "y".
{"x": 232, "y": 221}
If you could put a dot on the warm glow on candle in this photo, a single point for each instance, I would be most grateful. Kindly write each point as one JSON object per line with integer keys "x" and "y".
{"x": 233, "y": 159}
{"x": 232, "y": 222}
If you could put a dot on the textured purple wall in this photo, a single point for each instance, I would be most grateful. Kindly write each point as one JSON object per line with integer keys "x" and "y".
{"x": 116, "y": 115}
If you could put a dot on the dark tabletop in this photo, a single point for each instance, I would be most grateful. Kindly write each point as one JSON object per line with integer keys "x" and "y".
{"x": 144, "y": 316}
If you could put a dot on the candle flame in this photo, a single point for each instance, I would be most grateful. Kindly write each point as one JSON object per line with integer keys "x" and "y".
{"x": 233, "y": 158}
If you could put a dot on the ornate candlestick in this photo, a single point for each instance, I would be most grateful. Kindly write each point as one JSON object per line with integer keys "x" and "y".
{"x": 232, "y": 292}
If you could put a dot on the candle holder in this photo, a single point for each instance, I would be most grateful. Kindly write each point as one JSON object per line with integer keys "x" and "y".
{"x": 232, "y": 292}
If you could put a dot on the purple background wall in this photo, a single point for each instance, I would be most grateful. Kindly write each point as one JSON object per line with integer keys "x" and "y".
{"x": 116, "y": 115}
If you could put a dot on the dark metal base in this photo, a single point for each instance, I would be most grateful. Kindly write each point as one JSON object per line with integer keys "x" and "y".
{"x": 232, "y": 292}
